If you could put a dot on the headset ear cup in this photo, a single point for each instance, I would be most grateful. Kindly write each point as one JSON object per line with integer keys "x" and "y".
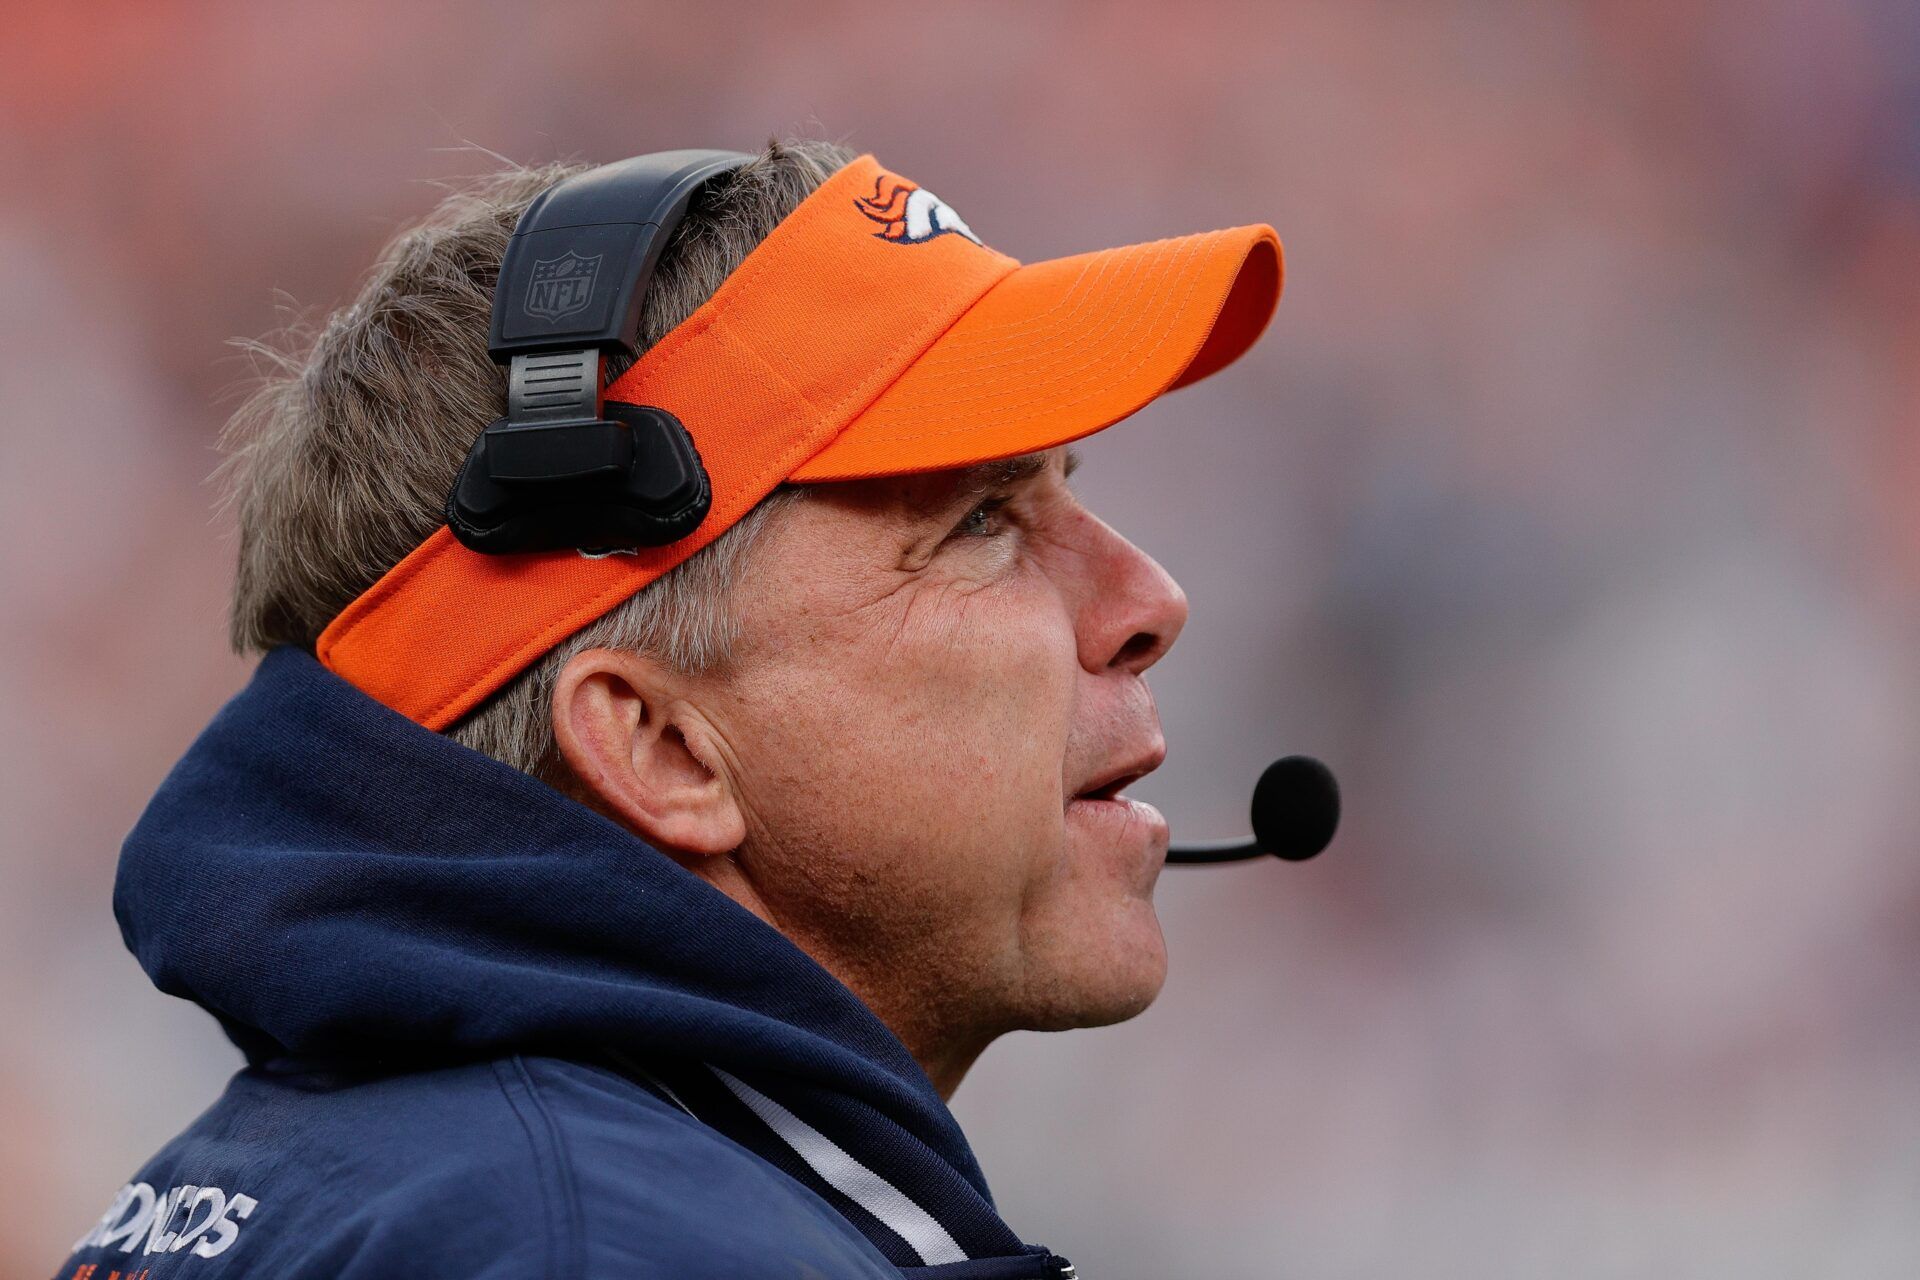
{"x": 668, "y": 480}
{"x": 477, "y": 504}
{"x": 662, "y": 494}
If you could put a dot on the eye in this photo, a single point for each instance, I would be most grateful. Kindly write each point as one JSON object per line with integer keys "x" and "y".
{"x": 984, "y": 520}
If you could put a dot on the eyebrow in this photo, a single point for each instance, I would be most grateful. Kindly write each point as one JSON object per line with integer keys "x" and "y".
{"x": 983, "y": 478}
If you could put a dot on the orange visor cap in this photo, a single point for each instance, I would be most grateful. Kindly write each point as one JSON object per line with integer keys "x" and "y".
{"x": 870, "y": 334}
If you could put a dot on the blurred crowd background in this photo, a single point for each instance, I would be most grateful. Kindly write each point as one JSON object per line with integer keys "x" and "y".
{"x": 1570, "y": 509}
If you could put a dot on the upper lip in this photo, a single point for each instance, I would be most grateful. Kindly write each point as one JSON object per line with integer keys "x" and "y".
{"x": 1123, "y": 774}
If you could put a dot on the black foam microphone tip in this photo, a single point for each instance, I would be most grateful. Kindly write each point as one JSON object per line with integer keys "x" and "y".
{"x": 1296, "y": 808}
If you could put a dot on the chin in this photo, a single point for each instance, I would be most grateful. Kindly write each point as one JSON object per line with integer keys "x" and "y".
{"x": 1106, "y": 981}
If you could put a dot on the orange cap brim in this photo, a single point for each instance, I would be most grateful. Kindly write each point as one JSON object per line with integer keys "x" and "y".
{"x": 1061, "y": 349}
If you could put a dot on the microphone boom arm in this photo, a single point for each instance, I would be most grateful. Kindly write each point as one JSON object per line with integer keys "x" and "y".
{"x": 1215, "y": 851}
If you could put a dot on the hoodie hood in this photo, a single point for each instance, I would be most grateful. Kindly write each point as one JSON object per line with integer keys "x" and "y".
{"x": 334, "y": 882}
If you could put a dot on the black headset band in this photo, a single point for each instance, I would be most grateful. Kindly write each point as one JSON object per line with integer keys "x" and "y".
{"x": 599, "y": 235}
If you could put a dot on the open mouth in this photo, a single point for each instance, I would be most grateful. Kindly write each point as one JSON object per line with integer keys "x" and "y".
{"x": 1112, "y": 784}
{"x": 1111, "y": 790}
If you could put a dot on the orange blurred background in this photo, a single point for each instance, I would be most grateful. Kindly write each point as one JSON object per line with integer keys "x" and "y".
{"x": 1568, "y": 510}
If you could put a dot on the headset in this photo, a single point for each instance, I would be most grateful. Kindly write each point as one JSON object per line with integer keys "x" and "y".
{"x": 565, "y": 468}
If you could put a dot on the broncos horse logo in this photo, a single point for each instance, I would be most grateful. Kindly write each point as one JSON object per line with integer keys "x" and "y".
{"x": 909, "y": 213}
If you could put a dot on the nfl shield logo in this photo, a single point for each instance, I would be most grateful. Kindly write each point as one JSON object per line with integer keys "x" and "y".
{"x": 561, "y": 286}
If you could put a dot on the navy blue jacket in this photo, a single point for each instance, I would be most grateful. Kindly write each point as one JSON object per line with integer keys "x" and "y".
{"x": 490, "y": 1034}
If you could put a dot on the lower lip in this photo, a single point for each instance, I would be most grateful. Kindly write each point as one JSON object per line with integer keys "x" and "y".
{"x": 1124, "y": 815}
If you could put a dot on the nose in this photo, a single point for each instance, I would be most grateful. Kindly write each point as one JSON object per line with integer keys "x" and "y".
{"x": 1133, "y": 610}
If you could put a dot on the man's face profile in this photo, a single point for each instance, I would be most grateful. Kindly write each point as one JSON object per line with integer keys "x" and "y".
{"x": 911, "y": 764}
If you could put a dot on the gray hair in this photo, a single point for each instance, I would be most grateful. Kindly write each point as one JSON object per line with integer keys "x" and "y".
{"x": 340, "y": 458}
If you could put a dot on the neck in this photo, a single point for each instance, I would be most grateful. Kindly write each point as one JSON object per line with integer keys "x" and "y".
{"x": 946, "y": 1061}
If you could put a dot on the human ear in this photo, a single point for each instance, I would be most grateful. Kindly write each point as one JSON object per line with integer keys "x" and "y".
{"x": 643, "y": 753}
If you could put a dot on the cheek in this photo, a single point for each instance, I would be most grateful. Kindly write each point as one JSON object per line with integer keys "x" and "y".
{"x": 924, "y": 746}
{"x": 996, "y": 714}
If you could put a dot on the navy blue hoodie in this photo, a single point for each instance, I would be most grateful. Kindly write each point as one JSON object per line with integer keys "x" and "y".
{"x": 489, "y": 1033}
